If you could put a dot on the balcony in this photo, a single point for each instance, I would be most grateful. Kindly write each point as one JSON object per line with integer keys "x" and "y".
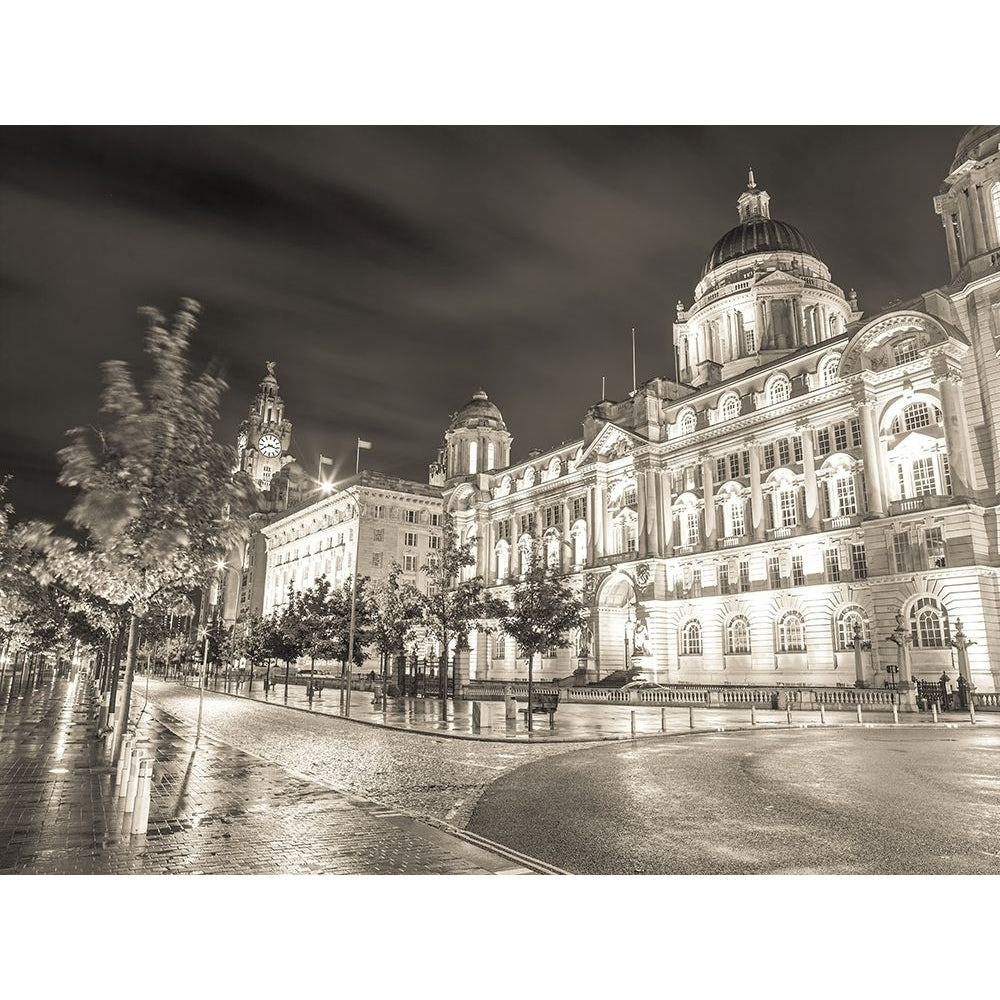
{"x": 784, "y": 532}
{"x": 733, "y": 541}
{"x": 844, "y": 521}
{"x": 911, "y": 504}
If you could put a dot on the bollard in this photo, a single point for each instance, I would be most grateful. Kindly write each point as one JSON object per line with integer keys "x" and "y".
{"x": 934, "y": 711}
{"x": 633, "y": 724}
{"x": 691, "y": 716}
{"x": 972, "y": 713}
{"x": 133, "y": 781}
{"x": 859, "y": 714}
{"x": 663, "y": 720}
{"x": 822, "y": 715}
{"x": 102, "y": 718}
{"x": 552, "y": 718}
{"x": 895, "y": 714}
{"x": 140, "y": 816}
{"x": 788, "y": 715}
{"x": 123, "y": 763}
{"x": 753, "y": 716}
{"x": 510, "y": 709}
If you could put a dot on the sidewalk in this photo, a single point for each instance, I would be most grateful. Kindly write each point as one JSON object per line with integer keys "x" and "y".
{"x": 214, "y": 809}
{"x": 573, "y": 723}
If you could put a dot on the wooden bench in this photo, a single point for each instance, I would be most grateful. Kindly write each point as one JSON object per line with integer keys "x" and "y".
{"x": 542, "y": 701}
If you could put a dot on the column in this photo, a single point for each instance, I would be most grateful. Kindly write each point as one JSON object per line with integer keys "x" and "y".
{"x": 874, "y": 472}
{"x": 973, "y": 214}
{"x": 605, "y": 519}
{"x": 641, "y": 542}
{"x": 666, "y": 506}
{"x": 567, "y": 538}
{"x": 956, "y": 431}
{"x": 653, "y": 546}
{"x": 708, "y": 492}
{"x": 756, "y": 496}
{"x": 489, "y": 570}
{"x": 809, "y": 475}
{"x": 595, "y": 538}
{"x": 758, "y": 309}
{"x": 949, "y": 235}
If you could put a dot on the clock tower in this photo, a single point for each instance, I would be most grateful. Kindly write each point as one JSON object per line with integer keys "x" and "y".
{"x": 264, "y": 437}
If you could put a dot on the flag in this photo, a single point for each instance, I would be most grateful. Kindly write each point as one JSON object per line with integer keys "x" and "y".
{"x": 323, "y": 460}
{"x": 364, "y": 444}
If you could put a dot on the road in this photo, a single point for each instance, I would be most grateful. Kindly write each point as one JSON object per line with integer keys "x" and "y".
{"x": 872, "y": 801}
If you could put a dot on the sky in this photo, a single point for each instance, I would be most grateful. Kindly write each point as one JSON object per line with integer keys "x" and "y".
{"x": 392, "y": 272}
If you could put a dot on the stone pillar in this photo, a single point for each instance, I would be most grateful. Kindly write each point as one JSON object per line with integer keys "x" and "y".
{"x": 972, "y": 206}
{"x": 461, "y": 671}
{"x": 667, "y": 507}
{"x": 641, "y": 539}
{"x": 949, "y": 235}
{"x": 482, "y": 656}
{"x": 653, "y": 546}
{"x": 874, "y": 472}
{"x": 813, "y": 510}
{"x": 708, "y": 492}
{"x": 956, "y": 430}
{"x": 756, "y": 496}
{"x": 758, "y": 310}
{"x": 598, "y": 512}
{"x": 591, "y": 525}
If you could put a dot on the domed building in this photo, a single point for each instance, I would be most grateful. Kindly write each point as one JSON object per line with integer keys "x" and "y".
{"x": 813, "y": 503}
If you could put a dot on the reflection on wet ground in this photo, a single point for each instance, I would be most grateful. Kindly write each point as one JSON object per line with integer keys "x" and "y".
{"x": 213, "y": 809}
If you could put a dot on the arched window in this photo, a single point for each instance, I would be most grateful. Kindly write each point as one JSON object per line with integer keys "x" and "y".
{"x": 791, "y": 633}
{"x": 687, "y": 422}
{"x": 729, "y": 408}
{"x": 905, "y": 351}
{"x": 738, "y": 635}
{"x": 690, "y": 521}
{"x": 630, "y": 495}
{"x": 525, "y": 548}
{"x": 473, "y": 456}
{"x": 625, "y": 527}
{"x": 555, "y": 468}
{"x": 579, "y": 543}
{"x": 847, "y": 620}
{"x": 828, "y": 370}
{"x": 691, "y": 638}
{"x": 503, "y": 560}
{"x": 929, "y": 624}
{"x": 499, "y": 646}
{"x": 552, "y": 550}
{"x": 779, "y": 389}
{"x": 914, "y": 416}
{"x": 490, "y": 456}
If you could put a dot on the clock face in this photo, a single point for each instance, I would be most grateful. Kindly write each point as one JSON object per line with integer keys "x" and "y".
{"x": 269, "y": 445}
{"x": 241, "y": 443}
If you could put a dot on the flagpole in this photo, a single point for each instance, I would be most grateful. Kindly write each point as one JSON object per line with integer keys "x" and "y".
{"x": 633, "y": 359}
{"x": 604, "y": 391}
{"x": 357, "y": 458}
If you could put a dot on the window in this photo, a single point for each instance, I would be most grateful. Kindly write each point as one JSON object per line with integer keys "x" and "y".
{"x": 410, "y": 538}
{"x": 924, "y": 482}
{"x": 900, "y": 551}
{"x": 552, "y": 552}
{"x": 934, "y": 546}
{"x": 734, "y": 466}
{"x": 774, "y": 571}
{"x": 378, "y": 511}
{"x": 726, "y": 586}
{"x": 738, "y": 635}
{"x": 929, "y": 624}
{"x": 751, "y": 340}
{"x": 691, "y": 638}
{"x": 831, "y": 564}
{"x": 798, "y": 573}
{"x": 691, "y": 523}
{"x": 783, "y": 452}
{"x": 410, "y": 516}
{"x": 473, "y": 456}
{"x": 768, "y": 456}
{"x": 904, "y": 351}
{"x": 735, "y": 516}
{"x": 840, "y": 436}
{"x": 797, "y": 449}
{"x": 579, "y": 508}
{"x": 436, "y": 520}
{"x": 527, "y": 524}
{"x": 787, "y": 514}
{"x": 859, "y": 561}
{"x": 852, "y": 623}
{"x": 378, "y": 534}
{"x": 995, "y": 203}
{"x": 791, "y": 633}
{"x": 946, "y": 473}
{"x": 779, "y": 390}
{"x": 855, "y": 432}
{"x": 409, "y": 563}
{"x": 828, "y": 371}
{"x": 630, "y": 495}
{"x": 503, "y": 530}
{"x": 687, "y": 422}
{"x": 376, "y": 558}
{"x": 720, "y": 469}
{"x": 730, "y": 407}
{"x": 580, "y": 546}
{"x": 845, "y": 495}
{"x": 915, "y": 415}
{"x": 434, "y": 541}
{"x": 823, "y": 442}
{"x": 744, "y": 575}
{"x": 503, "y": 561}
{"x": 500, "y": 647}
{"x": 552, "y": 516}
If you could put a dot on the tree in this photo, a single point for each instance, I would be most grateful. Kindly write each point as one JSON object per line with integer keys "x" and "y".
{"x": 156, "y": 494}
{"x": 543, "y": 613}
{"x": 255, "y": 641}
{"x": 453, "y": 607}
{"x": 288, "y": 636}
{"x": 396, "y": 611}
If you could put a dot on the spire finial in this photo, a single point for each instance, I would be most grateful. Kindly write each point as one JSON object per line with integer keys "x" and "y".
{"x": 752, "y": 184}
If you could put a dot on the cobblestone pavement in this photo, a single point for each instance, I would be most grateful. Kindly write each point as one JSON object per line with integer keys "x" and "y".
{"x": 418, "y": 772}
{"x": 214, "y": 809}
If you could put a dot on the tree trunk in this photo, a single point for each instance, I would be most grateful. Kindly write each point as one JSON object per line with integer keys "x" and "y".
{"x": 443, "y": 671}
{"x": 287, "y": 665}
{"x": 531, "y": 689}
{"x": 116, "y": 662}
{"x": 133, "y": 633}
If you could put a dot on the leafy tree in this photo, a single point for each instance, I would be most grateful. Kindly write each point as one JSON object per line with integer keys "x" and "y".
{"x": 155, "y": 491}
{"x": 453, "y": 607}
{"x": 288, "y": 637}
{"x": 543, "y": 613}
{"x": 396, "y": 612}
{"x": 320, "y": 622}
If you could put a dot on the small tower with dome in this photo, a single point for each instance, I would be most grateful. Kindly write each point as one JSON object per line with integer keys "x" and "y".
{"x": 477, "y": 440}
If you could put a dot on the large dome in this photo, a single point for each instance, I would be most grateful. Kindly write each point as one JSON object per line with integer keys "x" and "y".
{"x": 478, "y": 412}
{"x": 977, "y": 142}
{"x": 757, "y": 235}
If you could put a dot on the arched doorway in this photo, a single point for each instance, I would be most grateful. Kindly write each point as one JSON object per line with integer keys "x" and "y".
{"x": 615, "y": 618}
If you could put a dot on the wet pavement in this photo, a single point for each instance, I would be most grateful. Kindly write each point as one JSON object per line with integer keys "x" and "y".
{"x": 573, "y": 723}
{"x": 906, "y": 800}
{"x": 214, "y": 809}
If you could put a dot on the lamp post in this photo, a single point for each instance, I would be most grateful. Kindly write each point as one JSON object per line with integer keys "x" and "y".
{"x": 201, "y": 687}
{"x": 961, "y": 642}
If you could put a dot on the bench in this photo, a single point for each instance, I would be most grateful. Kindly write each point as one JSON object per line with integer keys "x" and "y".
{"x": 542, "y": 701}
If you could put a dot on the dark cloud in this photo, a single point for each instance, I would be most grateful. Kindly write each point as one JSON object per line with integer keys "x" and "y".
{"x": 390, "y": 272}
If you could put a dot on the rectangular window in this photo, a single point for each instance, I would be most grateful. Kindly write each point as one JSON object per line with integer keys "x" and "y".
{"x": 855, "y": 432}
{"x": 797, "y": 449}
{"x": 823, "y": 442}
{"x": 696, "y": 583}
{"x": 410, "y": 538}
{"x": 840, "y": 436}
{"x": 768, "y": 456}
{"x": 502, "y": 529}
{"x": 579, "y": 508}
{"x": 774, "y": 571}
{"x": 798, "y": 572}
{"x": 378, "y": 534}
{"x": 377, "y": 510}
{"x": 734, "y": 466}
{"x": 745, "y": 459}
{"x": 692, "y": 525}
{"x": 434, "y": 541}
{"x": 720, "y": 469}
{"x": 831, "y": 563}
{"x": 946, "y": 473}
{"x": 787, "y": 508}
{"x": 410, "y": 516}
{"x": 435, "y": 520}
{"x": 409, "y": 563}
{"x": 527, "y": 524}
{"x": 552, "y": 516}
{"x": 376, "y": 558}
{"x": 923, "y": 477}
{"x": 900, "y": 548}
{"x": 784, "y": 455}
{"x": 744, "y": 575}
{"x": 737, "y": 522}
{"x": 859, "y": 561}
{"x": 847, "y": 502}
{"x": 724, "y": 587}
{"x": 934, "y": 545}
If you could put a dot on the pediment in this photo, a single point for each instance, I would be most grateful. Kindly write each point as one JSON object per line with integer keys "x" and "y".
{"x": 871, "y": 346}
{"x": 612, "y": 442}
{"x": 779, "y": 280}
